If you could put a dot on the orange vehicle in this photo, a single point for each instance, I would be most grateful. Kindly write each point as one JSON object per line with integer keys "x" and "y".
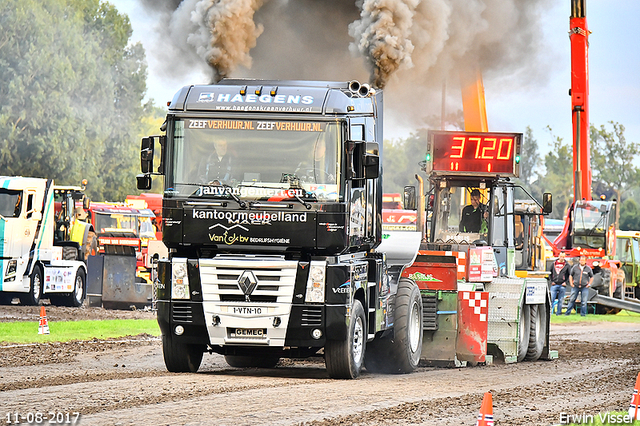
{"x": 394, "y": 216}
{"x": 150, "y": 226}
{"x": 152, "y": 201}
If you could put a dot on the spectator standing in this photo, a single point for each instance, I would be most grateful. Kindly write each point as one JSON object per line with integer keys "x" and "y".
{"x": 559, "y": 278}
{"x": 580, "y": 279}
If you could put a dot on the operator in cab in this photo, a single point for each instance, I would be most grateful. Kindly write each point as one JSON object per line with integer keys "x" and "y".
{"x": 473, "y": 217}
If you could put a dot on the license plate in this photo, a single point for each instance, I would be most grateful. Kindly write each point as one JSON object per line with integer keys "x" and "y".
{"x": 256, "y": 333}
{"x": 246, "y": 310}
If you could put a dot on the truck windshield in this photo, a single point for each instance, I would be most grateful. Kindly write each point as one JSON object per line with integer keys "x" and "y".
{"x": 113, "y": 222}
{"x": 10, "y": 203}
{"x": 590, "y": 224}
{"x": 259, "y": 160}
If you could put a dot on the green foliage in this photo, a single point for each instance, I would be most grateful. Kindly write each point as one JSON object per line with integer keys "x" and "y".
{"x": 401, "y": 160}
{"x": 622, "y": 316}
{"x": 63, "y": 331}
{"x": 629, "y": 215}
{"x": 530, "y": 158}
{"x": 72, "y": 91}
{"x": 612, "y": 161}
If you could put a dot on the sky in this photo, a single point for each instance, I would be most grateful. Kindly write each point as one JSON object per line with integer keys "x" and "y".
{"x": 614, "y": 74}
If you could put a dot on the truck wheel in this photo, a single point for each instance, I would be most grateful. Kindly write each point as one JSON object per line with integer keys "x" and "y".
{"x": 76, "y": 297}
{"x": 621, "y": 283}
{"x": 524, "y": 331}
{"x": 242, "y": 361}
{"x": 344, "y": 358}
{"x": 401, "y": 353}
{"x": 90, "y": 246}
{"x": 35, "y": 289}
{"x": 538, "y": 332}
{"x": 606, "y": 282}
{"x": 181, "y": 358}
{"x": 69, "y": 253}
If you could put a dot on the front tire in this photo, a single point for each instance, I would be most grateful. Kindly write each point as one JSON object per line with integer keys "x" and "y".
{"x": 538, "y": 332}
{"x": 179, "y": 357}
{"x": 76, "y": 298}
{"x": 344, "y": 358}
{"x": 401, "y": 353}
{"x": 35, "y": 288}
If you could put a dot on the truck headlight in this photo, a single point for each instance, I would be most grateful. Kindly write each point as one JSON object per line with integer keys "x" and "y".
{"x": 316, "y": 282}
{"x": 11, "y": 271}
{"x": 179, "y": 280}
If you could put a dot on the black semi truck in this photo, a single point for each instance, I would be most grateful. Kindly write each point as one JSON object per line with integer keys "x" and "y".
{"x": 272, "y": 213}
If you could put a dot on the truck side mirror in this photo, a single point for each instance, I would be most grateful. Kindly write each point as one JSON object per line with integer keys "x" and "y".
{"x": 409, "y": 198}
{"x": 371, "y": 161}
{"x": 86, "y": 203}
{"x": 547, "y": 203}
{"x": 144, "y": 182}
{"x": 146, "y": 155}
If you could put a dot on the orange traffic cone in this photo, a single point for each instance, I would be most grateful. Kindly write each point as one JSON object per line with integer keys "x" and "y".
{"x": 635, "y": 401}
{"x": 44, "y": 324}
{"x": 485, "y": 418}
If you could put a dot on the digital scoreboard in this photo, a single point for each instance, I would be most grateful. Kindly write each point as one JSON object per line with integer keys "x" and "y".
{"x": 473, "y": 153}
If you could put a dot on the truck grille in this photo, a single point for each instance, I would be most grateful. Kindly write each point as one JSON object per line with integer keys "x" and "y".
{"x": 181, "y": 313}
{"x": 275, "y": 279}
{"x": 311, "y": 317}
{"x": 429, "y": 312}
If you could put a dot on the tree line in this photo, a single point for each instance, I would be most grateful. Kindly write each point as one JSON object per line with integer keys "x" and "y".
{"x": 72, "y": 89}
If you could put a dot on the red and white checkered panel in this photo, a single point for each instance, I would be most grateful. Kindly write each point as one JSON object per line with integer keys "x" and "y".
{"x": 479, "y": 301}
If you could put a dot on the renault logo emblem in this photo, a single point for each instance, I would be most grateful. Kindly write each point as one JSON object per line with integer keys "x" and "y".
{"x": 247, "y": 283}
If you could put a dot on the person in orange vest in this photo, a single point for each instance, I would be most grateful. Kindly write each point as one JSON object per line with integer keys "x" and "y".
{"x": 580, "y": 279}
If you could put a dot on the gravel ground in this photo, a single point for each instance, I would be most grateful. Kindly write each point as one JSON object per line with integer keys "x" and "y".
{"x": 124, "y": 382}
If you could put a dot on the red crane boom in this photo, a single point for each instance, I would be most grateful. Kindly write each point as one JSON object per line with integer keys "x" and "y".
{"x": 579, "y": 36}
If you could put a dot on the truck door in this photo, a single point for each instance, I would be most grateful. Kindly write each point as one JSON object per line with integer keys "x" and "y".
{"x": 624, "y": 252}
{"x": 502, "y": 230}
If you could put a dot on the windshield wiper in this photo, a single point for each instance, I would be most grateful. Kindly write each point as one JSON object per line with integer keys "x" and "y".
{"x": 243, "y": 204}
{"x": 303, "y": 202}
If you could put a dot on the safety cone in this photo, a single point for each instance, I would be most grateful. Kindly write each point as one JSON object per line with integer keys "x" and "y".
{"x": 635, "y": 401}
{"x": 485, "y": 418}
{"x": 44, "y": 324}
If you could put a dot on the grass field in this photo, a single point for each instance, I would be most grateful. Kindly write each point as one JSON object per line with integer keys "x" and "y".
{"x": 622, "y": 316}
{"x": 62, "y": 331}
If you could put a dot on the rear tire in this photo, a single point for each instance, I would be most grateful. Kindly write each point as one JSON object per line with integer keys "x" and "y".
{"x": 181, "y": 358}
{"x": 76, "y": 298}
{"x": 621, "y": 283}
{"x": 344, "y": 358}
{"x": 35, "y": 288}
{"x": 69, "y": 253}
{"x": 538, "y": 332}
{"x": 400, "y": 354}
{"x": 244, "y": 361}
{"x": 90, "y": 246}
{"x": 524, "y": 331}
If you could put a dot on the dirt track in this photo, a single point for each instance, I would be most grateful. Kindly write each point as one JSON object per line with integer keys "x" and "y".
{"x": 125, "y": 382}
